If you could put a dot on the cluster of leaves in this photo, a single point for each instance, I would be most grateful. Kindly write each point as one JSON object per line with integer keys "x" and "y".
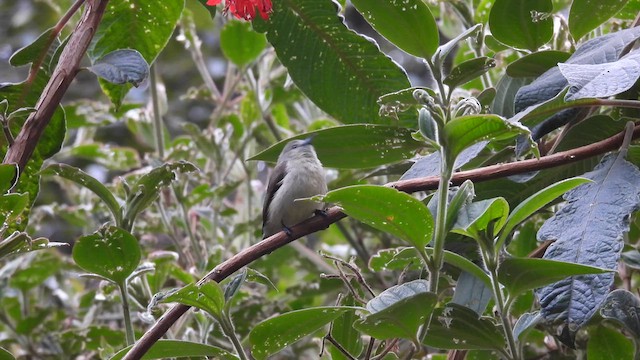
{"x": 149, "y": 213}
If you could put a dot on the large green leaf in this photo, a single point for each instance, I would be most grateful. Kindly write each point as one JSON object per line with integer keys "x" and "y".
{"x": 482, "y": 220}
{"x": 343, "y": 332}
{"x": 457, "y": 327}
{"x": 586, "y": 15}
{"x": 512, "y": 22}
{"x": 399, "y": 311}
{"x": 8, "y": 174}
{"x": 35, "y": 271}
{"x": 535, "y": 64}
{"x": 37, "y": 49}
{"x": 340, "y": 71}
{"x": 82, "y": 178}
{"x": 208, "y": 297}
{"x": 239, "y": 43}
{"x": 142, "y": 25}
{"x": 276, "y": 333}
{"x": 163, "y": 349}
{"x": 606, "y": 343}
{"x": 386, "y": 209}
{"x": 521, "y": 274}
{"x": 110, "y": 252}
{"x": 5, "y": 355}
{"x": 354, "y": 146}
{"x": 408, "y": 24}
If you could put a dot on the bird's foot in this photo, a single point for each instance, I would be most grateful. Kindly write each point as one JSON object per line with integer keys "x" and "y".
{"x": 322, "y": 213}
{"x": 285, "y": 228}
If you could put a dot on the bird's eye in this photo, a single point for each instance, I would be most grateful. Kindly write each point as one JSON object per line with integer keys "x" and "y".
{"x": 294, "y": 146}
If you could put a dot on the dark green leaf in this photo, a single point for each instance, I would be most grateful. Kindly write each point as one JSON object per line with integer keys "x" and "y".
{"x": 469, "y": 70}
{"x": 402, "y": 101}
{"x": 110, "y": 252}
{"x": 408, "y": 24}
{"x": 586, "y": 15}
{"x": 111, "y": 157}
{"x": 239, "y": 43}
{"x": 506, "y": 90}
{"x": 430, "y": 165}
{"x": 210, "y": 9}
{"x": 11, "y": 207}
{"x": 388, "y": 210}
{"x": 456, "y": 327}
{"x": 536, "y": 202}
{"x": 208, "y": 297}
{"x": 399, "y": 311}
{"x": 121, "y": 67}
{"x": 35, "y": 271}
{"x": 82, "y": 178}
{"x": 524, "y": 24}
{"x": 163, "y": 349}
{"x": 521, "y": 274}
{"x": 605, "y": 344}
{"x": 341, "y": 72}
{"x": 39, "y": 48}
{"x": 142, "y": 25}
{"x": 535, "y": 64}
{"x": 343, "y": 332}
{"x": 354, "y": 146}
{"x": 622, "y": 307}
{"x": 482, "y": 220}
{"x": 525, "y": 323}
{"x": 5, "y": 355}
{"x": 276, "y": 333}
{"x": 148, "y": 187}
{"x": 588, "y": 230}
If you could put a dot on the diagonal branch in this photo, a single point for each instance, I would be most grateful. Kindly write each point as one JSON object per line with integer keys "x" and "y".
{"x": 334, "y": 214}
{"x": 25, "y": 143}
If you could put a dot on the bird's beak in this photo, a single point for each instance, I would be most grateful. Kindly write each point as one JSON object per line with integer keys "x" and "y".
{"x": 308, "y": 140}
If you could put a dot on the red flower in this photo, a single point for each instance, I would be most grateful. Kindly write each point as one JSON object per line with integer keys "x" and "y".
{"x": 245, "y": 9}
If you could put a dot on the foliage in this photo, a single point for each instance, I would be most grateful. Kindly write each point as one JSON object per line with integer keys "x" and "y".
{"x": 150, "y": 176}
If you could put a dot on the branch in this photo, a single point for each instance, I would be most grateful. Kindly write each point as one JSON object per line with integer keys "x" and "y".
{"x": 334, "y": 214}
{"x": 68, "y": 65}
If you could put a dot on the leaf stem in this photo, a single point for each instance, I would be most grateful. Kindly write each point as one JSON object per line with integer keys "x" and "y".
{"x": 229, "y": 331}
{"x": 491, "y": 264}
{"x": 128, "y": 326}
{"x": 157, "y": 118}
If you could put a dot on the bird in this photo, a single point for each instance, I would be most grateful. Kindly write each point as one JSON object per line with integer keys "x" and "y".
{"x": 298, "y": 174}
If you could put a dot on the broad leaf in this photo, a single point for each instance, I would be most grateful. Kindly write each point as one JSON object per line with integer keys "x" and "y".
{"x": 408, "y": 24}
{"x": 534, "y": 203}
{"x": 163, "y": 349}
{"x": 601, "y": 80}
{"x": 523, "y": 24}
{"x": 37, "y": 49}
{"x": 5, "y": 355}
{"x": 208, "y": 297}
{"x": 121, "y": 67}
{"x": 239, "y": 43}
{"x": 430, "y": 165}
{"x": 457, "y": 327}
{"x": 276, "y": 333}
{"x": 522, "y": 274}
{"x": 11, "y": 207}
{"x": 623, "y": 307}
{"x": 35, "y": 271}
{"x": 342, "y": 72}
{"x": 82, "y": 178}
{"x": 343, "y": 332}
{"x": 525, "y": 323}
{"x": 386, "y": 209}
{"x": 354, "y": 146}
{"x": 472, "y": 292}
{"x": 482, "y": 220}
{"x": 589, "y": 230}
{"x": 110, "y": 252}
{"x": 535, "y": 64}
{"x": 605, "y": 343}
{"x": 586, "y": 15}
{"x": 506, "y": 90}
{"x": 469, "y": 70}
{"x": 399, "y": 311}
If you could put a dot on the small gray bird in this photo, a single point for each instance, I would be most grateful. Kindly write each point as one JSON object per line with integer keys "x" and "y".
{"x": 298, "y": 174}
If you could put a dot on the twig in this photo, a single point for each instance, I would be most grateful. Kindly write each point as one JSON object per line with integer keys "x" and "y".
{"x": 334, "y": 214}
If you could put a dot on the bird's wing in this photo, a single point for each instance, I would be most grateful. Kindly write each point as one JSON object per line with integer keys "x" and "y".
{"x": 275, "y": 181}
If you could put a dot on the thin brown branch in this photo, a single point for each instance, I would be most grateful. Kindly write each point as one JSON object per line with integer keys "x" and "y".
{"x": 334, "y": 214}
{"x": 26, "y": 141}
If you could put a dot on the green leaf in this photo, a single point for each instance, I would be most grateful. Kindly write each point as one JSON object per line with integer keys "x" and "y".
{"x": 512, "y": 22}
{"x": 535, "y": 64}
{"x": 408, "y": 24}
{"x": 111, "y": 157}
{"x": 482, "y": 220}
{"x": 354, "y": 146}
{"x": 163, "y": 349}
{"x": 605, "y": 343}
{"x": 110, "y": 252}
{"x": 239, "y": 43}
{"x": 148, "y": 187}
{"x": 462, "y": 132}
{"x": 621, "y": 306}
{"x": 345, "y": 334}
{"x": 82, "y": 178}
{"x": 142, "y": 25}
{"x": 121, "y": 67}
{"x": 342, "y": 72}
{"x": 586, "y": 15}
{"x": 208, "y": 297}
{"x": 35, "y": 50}
{"x": 276, "y": 333}
{"x": 210, "y": 9}
{"x": 469, "y": 70}
{"x": 11, "y": 207}
{"x": 457, "y": 327}
{"x": 36, "y": 271}
{"x": 399, "y": 311}
{"x": 6, "y": 355}
{"x": 522, "y": 274}
{"x": 386, "y": 209}
{"x": 534, "y": 203}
